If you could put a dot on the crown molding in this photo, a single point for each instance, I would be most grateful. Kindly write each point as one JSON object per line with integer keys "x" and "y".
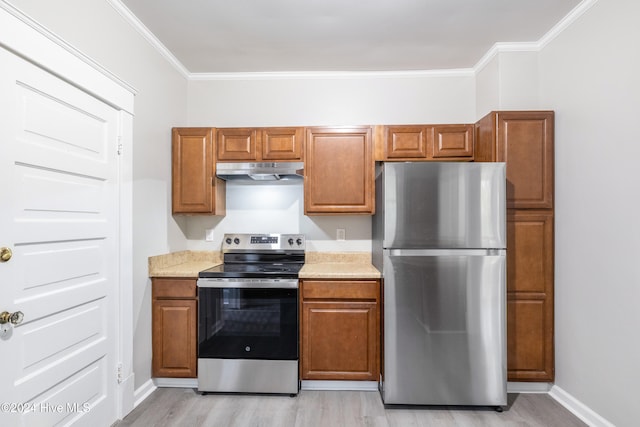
{"x": 148, "y": 36}
{"x": 307, "y": 75}
{"x": 565, "y": 22}
{"x": 537, "y": 46}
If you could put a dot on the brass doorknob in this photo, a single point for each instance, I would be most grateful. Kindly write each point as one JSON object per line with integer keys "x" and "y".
{"x": 5, "y": 254}
{"x": 14, "y": 318}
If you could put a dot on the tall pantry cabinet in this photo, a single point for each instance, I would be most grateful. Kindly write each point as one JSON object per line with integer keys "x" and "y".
{"x": 524, "y": 140}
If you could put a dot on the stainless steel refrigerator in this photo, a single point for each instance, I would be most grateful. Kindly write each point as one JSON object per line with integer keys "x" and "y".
{"x": 439, "y": 239}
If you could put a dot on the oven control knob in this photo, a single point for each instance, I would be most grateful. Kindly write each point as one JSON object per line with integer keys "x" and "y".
{"x": 228, "y": 240}
{"x": 290, "y": 241}
{"x": 298, "y": 241}
{"x": 236, "y": 241}
{"x": 247, "y": 348}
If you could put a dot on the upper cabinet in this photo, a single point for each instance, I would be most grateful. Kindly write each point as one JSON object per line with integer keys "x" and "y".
{"x": 524, "y": 140}
{"x": 259, "y": 144}
{"x": 237, "y": 144}
{"x": 453, "y": 141}
{"x": 282, "y": 143}
{"x": 424, "y": 142}
{"x": 339, "y": 171}
{"x": 195, "y": 188}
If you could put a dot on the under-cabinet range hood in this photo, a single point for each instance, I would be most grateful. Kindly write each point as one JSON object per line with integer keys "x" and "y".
{"x": 261, "y": 171}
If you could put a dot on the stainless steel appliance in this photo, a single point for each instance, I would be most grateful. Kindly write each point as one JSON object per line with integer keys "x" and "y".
{"x": 248, "y": 316}
{"x": 439, "y": 240}
{"x": 269, "y": 172}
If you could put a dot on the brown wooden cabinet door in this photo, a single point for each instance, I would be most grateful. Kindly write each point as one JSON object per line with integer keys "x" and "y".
{"x": 524, "y": 140}
{"x": 525, "y": 143}
{"x": 174, "y": 329}
{"x": 237, "y": 144}
{"x": 339, "y": 341}
{"x": 282, "y": 143}
{"x": 453, "y": 141}
{"x": 530, "y": 295}
{"x": 195, "y": 190}
{"x": 339, "y": 171}
{"x": 408, "y": 142}
{"x": 340, "y": 330}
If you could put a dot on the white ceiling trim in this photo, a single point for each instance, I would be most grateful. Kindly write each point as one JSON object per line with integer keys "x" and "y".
{"x": 497, "y": 48}
{"x": 281, "y": 75}
{"x": 148, "y": 36}
{"x": 564, "y": 23}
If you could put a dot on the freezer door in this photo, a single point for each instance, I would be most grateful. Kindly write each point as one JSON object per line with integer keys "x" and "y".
{"x": 444, "y": 328}
{"x": 444, "y": 205}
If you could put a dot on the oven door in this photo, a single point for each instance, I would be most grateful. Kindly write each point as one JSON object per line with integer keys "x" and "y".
{"x": 248, "y": 319}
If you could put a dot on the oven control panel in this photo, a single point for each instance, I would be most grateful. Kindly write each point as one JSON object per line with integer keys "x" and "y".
{"x": 262, "y": 242}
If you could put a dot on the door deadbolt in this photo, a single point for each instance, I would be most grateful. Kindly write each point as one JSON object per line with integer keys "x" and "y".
{"x": 14, "y": 318}
{"x": 5, "y": 254}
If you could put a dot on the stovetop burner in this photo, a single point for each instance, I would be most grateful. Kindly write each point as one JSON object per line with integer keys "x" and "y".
{"x": 252, "y": 270}
{"x": 278, "y": 256}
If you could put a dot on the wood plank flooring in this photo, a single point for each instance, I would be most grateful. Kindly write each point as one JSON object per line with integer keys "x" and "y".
{"x": 185, "y": 407}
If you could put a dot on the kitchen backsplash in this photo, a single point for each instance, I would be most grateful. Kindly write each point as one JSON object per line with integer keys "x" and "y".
{"x": 265, "y": 208}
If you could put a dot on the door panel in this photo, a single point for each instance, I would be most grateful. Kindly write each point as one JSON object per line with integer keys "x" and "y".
{"x": 444, "y": 334}
{"x": 59, "y": 165}
{"x": 444, "y": 205}
{"x": 525, "y": 143}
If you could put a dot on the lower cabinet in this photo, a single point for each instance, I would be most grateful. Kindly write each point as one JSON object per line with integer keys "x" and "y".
{"x": 530, "y": 296}
{"x": 340, "y": 330}
{"x": 174, "y": 328}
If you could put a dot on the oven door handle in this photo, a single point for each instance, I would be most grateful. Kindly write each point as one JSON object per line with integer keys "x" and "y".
{"x": 248, "y": 283}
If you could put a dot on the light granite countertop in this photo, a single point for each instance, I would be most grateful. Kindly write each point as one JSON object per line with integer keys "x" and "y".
{"x": 183, "y": 264}
{"x": 318, "y": 265}
{"x": 338, "y": 265}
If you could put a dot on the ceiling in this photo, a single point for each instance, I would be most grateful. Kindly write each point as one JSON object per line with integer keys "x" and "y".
{"x": 238, "y": 36}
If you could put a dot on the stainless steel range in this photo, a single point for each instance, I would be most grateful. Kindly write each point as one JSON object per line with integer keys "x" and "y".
{"x": 248, "y": 316}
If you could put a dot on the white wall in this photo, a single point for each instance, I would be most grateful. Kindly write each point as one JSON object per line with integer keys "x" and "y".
{"x": 97, "y": 30}
{"x": 589, "y": 76}
{"x": 488, "y": 87}
{"x": 508, "y": 81}
{"x": 367, "y": 99}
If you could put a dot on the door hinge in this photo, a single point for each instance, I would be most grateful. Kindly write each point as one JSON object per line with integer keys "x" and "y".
{"x": 119, "y": 373}
{"x": 120, "y": 145}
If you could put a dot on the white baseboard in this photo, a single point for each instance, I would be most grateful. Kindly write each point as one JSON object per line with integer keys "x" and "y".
{"x": 339, "y": 385}
{"x": 176, "y": 382}
{"x": 528, "y": 387}
{"x": 142, "y": 392}
{"x": 578, "y": 408}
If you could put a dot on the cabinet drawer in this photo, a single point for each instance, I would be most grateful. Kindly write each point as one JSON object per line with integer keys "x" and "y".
{"x": 173, "y": 288}
{"x": 341, "y": 289}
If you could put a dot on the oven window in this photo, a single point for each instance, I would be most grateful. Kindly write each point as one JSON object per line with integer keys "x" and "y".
{"x": 248, "y": 323}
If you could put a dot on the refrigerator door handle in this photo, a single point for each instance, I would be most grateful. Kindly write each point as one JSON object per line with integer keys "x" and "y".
{"x": 445, "y": 252}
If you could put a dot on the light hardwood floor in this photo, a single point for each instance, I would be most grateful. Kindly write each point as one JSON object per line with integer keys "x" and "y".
{"x": 185, "y": 407}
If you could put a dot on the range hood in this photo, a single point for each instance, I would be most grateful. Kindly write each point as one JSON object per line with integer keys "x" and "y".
{"x": 260, "y": 172}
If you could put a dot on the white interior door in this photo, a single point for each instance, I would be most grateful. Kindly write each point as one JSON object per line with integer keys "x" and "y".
{"x": 58, "y": 215}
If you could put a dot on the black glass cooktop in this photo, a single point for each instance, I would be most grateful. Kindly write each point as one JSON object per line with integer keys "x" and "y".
{"x": 253, "y": 270}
